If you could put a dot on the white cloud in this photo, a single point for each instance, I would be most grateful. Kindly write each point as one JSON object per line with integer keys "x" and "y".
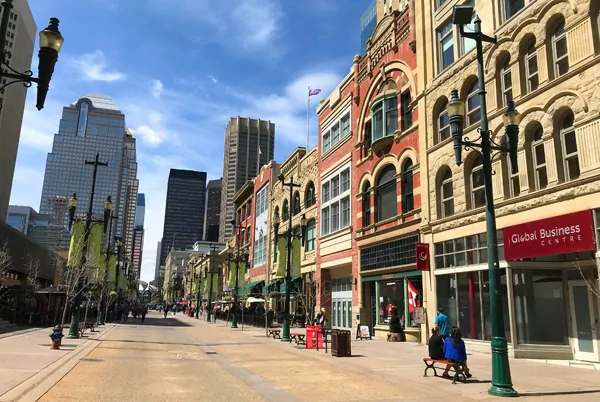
{"x": 247, "y": 25}
{"x": 156, "y": 88}
{"x": 93, "y": 67}
{"x": 213, "y": 79}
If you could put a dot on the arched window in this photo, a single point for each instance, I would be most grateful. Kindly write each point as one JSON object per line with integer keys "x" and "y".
{"x": 505, "y": 80}
{"x": 473, "y": 104}
{"x": 83, "y": 116}
{"x": 477, "y": 184}
{"x": 532, "y": 80}
{"x": 569, "y": 147}
{"x": 311, "y": 235}
{"x": 366, "y": 204}
{"x": 296, "y": 205}
{"x": 538, "y": 159}
{"x": 445, "y": 194}
{"x": 560, "y": 56}
{"x": 386, "y": 194}
{"x": 512, "y": 7}
{"x": 286, "y": 210}
{"x": 310, "y": 198}
{"x": 443, "y": 123}
{"x": 408, "y": 199}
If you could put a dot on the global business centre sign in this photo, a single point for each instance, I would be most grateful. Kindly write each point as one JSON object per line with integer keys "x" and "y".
{"x": 558, "y": 235}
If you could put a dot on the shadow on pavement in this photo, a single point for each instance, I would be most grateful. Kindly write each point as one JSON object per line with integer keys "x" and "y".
{"x": 157, "y": 322}
{"x": 205, "y": 344}
{"x": 591, "y": 391}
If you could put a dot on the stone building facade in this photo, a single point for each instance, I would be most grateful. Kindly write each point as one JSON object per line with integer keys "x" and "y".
{"x": 546, "y": 59}
{"x": 301, "y": 167}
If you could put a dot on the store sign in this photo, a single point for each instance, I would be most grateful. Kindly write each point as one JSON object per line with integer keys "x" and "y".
{"x": 422, "y": 256}
{"x": 559, "y": 235}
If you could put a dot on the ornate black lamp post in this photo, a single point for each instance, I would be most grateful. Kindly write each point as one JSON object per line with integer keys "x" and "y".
{"x": 238, "y": 259}
{"x": 104, "y": 296}
{"x": 289, "y": 237}
{"x": 50, "y": 44}
{"x": 74, "y": 326}
{"x": 212, "y": 272}
{"x": 501, "y": 378}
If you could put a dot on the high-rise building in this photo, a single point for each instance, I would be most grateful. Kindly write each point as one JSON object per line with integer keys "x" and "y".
{"x": 138, "y": 236}
{"x": 213, "y": 210}
{"x": 184, "y": 211}
{"x": 249, "y": 144}
{"x": 40, "y": 228}
{"x": 20, "y": 39}
{"x": 93, "y": 124}
{"x": 368, "y": 22}
{"x": 157, "y": 262}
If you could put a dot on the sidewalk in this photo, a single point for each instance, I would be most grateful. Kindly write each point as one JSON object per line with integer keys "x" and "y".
{"x": 401, "y": 365}
{"x": 24, "y": 355}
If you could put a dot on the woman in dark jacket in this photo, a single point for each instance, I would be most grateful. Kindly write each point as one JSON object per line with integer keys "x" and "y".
{"x": 395, "y": 325}
{"x": 436, "y": 344}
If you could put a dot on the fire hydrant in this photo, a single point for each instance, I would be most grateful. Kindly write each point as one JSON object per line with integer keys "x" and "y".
{"x": 56, "y": 337}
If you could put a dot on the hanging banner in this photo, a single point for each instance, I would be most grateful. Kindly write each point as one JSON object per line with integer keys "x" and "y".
{"x": 296, "y": 246}
{"x": 241, "y": 271}
{"x": 423, "y": 257}
{"x": 76, "y": 246}
{"x": 281, "y": 256}
{"x": 215, "y": 282}
{"x": 94, "y": 256}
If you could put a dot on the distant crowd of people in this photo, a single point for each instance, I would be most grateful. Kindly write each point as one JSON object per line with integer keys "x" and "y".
{"x": 122, "y": 311}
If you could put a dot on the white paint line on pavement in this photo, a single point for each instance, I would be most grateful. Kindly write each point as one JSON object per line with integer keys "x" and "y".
{"x": 37, "y": 385}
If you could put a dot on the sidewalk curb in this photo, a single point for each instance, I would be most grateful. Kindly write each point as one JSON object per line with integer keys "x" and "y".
{"x": 37, "y": 385}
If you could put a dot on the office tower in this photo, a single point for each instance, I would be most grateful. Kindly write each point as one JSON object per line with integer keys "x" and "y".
{"x": 157, "y": 262}
{"x": 41, "y": 228}
{"x": 138, "y": 236}
{"x": 213, "y": 210}
{"x": 93, "y": 124}
{"x": 249, "y": 144}
{"x": 184, "y": 211}
{"x": 20, "y": 39}
{"x": 368, "y": 22}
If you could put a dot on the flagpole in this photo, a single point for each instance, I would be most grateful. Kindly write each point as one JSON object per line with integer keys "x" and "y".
{"x": 308, "y": 120}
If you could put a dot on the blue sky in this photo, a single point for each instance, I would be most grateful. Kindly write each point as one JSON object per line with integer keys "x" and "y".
{"x": 179, "y": 73}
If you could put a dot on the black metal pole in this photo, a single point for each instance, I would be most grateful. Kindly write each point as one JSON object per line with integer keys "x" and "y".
{"x": 288, "y": 273}
{"x": 104, "y": 295}
{"x": 237, "y": 274}
{"x": 74, "y": 326}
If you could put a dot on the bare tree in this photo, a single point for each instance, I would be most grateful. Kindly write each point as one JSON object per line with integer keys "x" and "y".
{"x": 307, "y": 300}
{"x": 5, "y": 262}
{"x": 33, "y": 270}
{"x": 589, "y": 279}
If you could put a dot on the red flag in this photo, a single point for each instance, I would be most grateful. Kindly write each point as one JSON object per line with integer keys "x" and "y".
{"x": 413, "y": 300}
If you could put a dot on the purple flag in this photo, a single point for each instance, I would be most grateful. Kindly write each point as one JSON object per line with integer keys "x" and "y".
{"x": 314, "y": 92}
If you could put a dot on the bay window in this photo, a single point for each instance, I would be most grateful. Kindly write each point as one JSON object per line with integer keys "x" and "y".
{"x": 335, "y": 204}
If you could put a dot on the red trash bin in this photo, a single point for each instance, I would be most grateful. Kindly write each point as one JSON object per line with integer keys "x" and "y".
{"x": 314, "y": 337}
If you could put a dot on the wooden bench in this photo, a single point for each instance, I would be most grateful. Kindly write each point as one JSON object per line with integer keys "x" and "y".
{"x": 456, "y": 367}
{"x": 90, "y": 325}
{"x": 298, "y": 337}
{"x": 81, "y": 329}
{"x": 274, "y": 332}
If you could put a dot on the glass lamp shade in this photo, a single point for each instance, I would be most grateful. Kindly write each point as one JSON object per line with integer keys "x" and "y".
{"x": 276, "y": 219}
{"x": 303, "y": 220}
{"x": 455, "y": 107}
{"x": 108, "y": 204}
{"x": 73, "y": 201}
{"x": 51, "y": 38}
{"x": 512, "y": 117}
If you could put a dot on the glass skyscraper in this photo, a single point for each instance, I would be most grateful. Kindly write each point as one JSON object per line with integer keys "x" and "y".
{"x": 92, "y": 124}
{"x": 368, "y": 23}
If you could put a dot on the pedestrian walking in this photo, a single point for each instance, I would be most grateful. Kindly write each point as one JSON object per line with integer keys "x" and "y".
{"x": 443, "y": 323}
{"x": 166, "y": 310}
{"x": 144, "y": 311}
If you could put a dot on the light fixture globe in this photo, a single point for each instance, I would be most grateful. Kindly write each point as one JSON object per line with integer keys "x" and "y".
{"x": 50, "y": 37}
{"x": 108, "y": 204}
{"x": 456, "y": 114}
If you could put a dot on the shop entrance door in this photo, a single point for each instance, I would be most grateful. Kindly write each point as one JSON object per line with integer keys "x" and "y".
{"x": 584, "y": 323}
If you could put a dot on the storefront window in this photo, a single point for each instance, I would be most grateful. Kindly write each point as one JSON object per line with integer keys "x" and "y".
{"x": 391, "y": 294}
{"x": 417, "y": 282}
{"x": 469, "y": 303}
{"x": 487, "y": 312}
{"x": 470, "y": 250}
{"x": 465, "y": 299}
{"x": 540, "y": 307}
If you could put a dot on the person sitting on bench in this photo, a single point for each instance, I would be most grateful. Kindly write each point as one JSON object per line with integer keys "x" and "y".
{"x": 396, "y": 325}
{"x": 455, "y": 352}
{"x": 436, "y": 344}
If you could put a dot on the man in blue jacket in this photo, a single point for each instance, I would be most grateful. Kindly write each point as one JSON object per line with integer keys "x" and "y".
{"x": 443, "y": 323}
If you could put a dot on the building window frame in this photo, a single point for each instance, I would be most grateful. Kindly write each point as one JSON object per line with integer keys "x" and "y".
{"x": 384, "y": 191}
{"x": 445, "y": 36}
{"x": 338, "y": 130}
{"x": 540, "y": 172}
{"x": 473, "y": 105}
{"x": 443, "y": 121}
{"x": 384, "y": 115}
{"x": 406, "y": 108}
{"x": 477, "y": 185}
{"x": 311, "y": 235}
{"x": 333, "y": 208}
{"x": 560, "y": 61}
{"x": 506, "y": 87}
{"x": 310, "y": 198}
{"x": 532, "y": 79}
{"x": 568, "y": 130}
{"x": 408, "y": 198}
{"x": 446, "y": 194}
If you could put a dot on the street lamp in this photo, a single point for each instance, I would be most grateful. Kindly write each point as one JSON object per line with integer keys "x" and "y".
{"x": 118, "y": 270}
{"x": 50, "y": 44}
{"x": 108, "y": 215}
{"x": 213, "y": 248}
{"x": 501, "y": 378}
{"x": 74, "y": 326}
{"x": 290, "y": 237}
{"x": 237, "y": 272}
